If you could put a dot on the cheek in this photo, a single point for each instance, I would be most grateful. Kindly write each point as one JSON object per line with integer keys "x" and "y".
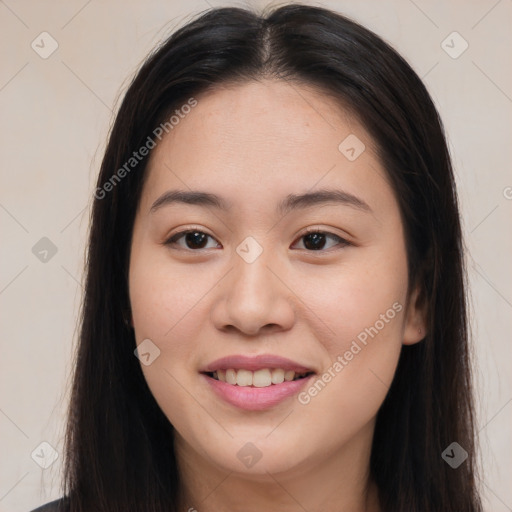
{"x": 170, "y": 306}
{"x": 163, "y": 293}
{"x": 360, "y": 310}
{"x": 364, "y": 293}
{"x": 167, "y": 308}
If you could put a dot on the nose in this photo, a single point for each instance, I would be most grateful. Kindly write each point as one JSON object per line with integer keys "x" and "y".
{"x": 253, "y": 298}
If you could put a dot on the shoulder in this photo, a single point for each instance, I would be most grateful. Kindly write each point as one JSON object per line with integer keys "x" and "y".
{"x": 60, "y": 505}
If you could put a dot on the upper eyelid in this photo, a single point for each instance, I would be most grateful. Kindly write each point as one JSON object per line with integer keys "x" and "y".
{"x": 189, "y": 230}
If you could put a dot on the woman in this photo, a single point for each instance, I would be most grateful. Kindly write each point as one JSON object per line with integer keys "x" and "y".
{"x": 274, "y": 314}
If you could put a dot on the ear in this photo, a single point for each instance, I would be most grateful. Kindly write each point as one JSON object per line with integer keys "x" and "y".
{"x": 415, "y": 328}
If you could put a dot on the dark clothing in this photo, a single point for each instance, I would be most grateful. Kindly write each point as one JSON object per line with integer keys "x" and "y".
{"x": 60, "y": 505}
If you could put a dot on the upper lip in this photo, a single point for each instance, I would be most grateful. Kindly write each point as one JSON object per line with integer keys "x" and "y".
{"x": 254, "y": 363}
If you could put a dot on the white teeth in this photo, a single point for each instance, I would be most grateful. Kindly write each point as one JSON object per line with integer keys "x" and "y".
{"x": 289, "y": 375}
{"x": 277, "y": 376}
{"x": 244, "y": 378}
{"x": 259, "y": 379}
{"x": 231, "y": 377}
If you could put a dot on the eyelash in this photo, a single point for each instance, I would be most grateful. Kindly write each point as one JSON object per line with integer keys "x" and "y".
{"x": 341, "y": 241}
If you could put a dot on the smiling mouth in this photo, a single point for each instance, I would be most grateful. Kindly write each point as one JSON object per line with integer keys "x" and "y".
{"x": 263, "y": 378}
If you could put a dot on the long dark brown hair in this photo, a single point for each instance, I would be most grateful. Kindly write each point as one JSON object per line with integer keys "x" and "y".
{"x": 119, "y": 445}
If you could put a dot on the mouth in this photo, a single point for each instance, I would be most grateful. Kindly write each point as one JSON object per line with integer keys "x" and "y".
{"x": 255, "y": 383}
{"x": 262, "y": 378}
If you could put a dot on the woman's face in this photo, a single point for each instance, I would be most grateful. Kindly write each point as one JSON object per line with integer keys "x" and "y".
{"x": 251, "y": 298}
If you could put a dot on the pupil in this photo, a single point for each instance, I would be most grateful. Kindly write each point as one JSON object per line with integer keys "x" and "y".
{"x": 317, "y": 239}
{"x": 195, "y": 239}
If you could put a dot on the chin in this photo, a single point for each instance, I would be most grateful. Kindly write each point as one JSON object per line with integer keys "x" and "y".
{"x": 261, "y": 455}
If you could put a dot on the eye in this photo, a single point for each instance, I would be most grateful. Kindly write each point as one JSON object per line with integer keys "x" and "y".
{"x": 193, "y": 239}
{"x": 315, "y": 240}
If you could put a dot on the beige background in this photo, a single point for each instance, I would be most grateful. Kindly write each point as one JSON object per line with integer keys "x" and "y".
{"x": 55, "y": 117}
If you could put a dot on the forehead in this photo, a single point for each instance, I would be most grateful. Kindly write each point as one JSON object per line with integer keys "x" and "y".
{"x": 263, "y": 138}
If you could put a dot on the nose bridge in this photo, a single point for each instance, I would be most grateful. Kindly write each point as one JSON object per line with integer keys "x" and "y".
{"x": 252, "y": 280}
{"x": 253, "y": 297}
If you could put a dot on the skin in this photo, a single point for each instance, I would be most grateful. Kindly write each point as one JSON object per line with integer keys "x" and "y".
{"x": 253, "y": 144}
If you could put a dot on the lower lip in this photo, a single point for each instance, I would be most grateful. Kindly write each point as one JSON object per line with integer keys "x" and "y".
{"x": 256, "y": 399}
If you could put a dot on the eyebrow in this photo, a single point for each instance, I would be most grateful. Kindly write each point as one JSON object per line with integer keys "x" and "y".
{"x": 289, "y": 203}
